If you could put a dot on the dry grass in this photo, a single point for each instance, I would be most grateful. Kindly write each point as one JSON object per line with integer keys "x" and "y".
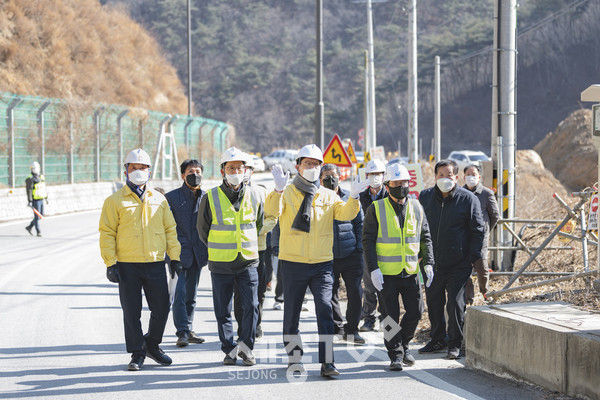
{"x": 78, "y": 49}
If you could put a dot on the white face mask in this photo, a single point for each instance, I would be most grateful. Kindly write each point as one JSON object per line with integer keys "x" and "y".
{"x": 471, "y": 181}
{"x": 311, "y": 175}
{"x": 139, "y": 176}
{"x": 445, "y": 184}
{"x": 235, "y": 179}
{"x": 375, "y": 181}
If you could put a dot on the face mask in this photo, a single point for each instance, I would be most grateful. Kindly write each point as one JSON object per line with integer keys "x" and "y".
{"x": 471, "y": 180}
{"x": 311, "y": 175}
{"x": 399, "y": 192}
{"x": 445, "y": 184}
{"x": 139, "y": 176}
{"x": 331, "y": 182}
{"x": 193, "y": 180}
{"x": 35, "y": 171}
{"x": 375, "y": 181}
{"x": 235, "y": 179}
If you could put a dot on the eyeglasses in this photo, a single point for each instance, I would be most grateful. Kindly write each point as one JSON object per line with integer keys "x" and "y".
{"x": 309, "y": 164}
{"x": 231, "y": 168}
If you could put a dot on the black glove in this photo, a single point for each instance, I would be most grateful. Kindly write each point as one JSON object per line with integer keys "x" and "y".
{"x": 175, "y": 267}
{"x": 112, "y": 274}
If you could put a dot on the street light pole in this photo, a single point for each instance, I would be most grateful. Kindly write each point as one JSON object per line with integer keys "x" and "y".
{"x": 372, "y": 127}
{"x": 189, "y": 56}
{"x": 319, "y": 107}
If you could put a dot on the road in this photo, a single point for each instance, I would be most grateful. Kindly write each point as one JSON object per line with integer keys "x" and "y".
{"x": 61, "y": 336}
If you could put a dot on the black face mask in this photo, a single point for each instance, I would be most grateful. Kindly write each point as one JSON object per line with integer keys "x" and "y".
{"x": 399, "y": 192}
{"x": 331, "y": 182}
{"x": 193, "y": 180}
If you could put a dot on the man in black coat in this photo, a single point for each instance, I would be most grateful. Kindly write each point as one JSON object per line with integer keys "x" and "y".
{"x": 457, "y": 232}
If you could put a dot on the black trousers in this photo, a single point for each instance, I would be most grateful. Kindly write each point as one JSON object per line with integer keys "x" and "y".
{"x": 262, "y": 289}
{"x": 399, "y": 333}
{"x": 450, "y": 281}
{"x": 351, "y": 270}
{"x": 279, "y": 283}
{"x": 152, "y": 278}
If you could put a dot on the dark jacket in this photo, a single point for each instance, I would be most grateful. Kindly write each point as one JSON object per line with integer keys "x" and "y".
{"x": 456, "y": 225}
{"x": 205, "y": 222}
{"x": 489, "y": 211}
{"x": 347, "y": 235}
{"x": 184, "y": 206}
{"x": 366, "y": 200}
{"x": 371, "y": 228}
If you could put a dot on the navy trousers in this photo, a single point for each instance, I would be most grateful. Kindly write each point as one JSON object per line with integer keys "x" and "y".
{"x": 184, "y": 301}
{"x": 351, "y": 270}
{"x": 247, "y": 281}
{"x": 39, "y": 206}
{"x": 296, "y": 278}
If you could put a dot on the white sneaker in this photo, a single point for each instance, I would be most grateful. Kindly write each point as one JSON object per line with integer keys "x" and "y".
{"x": 277, "y": 306}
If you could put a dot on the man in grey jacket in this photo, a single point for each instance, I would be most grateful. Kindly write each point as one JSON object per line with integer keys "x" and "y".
{"x": 490, "y": 214}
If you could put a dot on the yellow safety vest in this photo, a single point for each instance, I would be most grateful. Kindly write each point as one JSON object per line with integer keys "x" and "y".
{"x": 232, "y": 232}
{"x": 398, "y": 248}
{"x": 39, "y": 189}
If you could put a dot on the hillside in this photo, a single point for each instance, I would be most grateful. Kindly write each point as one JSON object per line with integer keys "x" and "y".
{"x": 78, "y": 49}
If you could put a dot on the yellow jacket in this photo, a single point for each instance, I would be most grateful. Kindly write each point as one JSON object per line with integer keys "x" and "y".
{"x": 315, "y": 246}
{"x": 136, "y": 231}
{"x": 269, "y": 222}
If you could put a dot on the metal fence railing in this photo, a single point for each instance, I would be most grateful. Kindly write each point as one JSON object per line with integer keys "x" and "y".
{"x": 77, "y": 142}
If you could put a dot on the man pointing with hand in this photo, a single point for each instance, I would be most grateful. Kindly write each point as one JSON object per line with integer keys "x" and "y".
{"x": 395, "y": 236}
{"x": 306, "y": 211}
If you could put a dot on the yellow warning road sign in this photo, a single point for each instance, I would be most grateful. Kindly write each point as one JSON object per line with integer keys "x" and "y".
{"x": 350, "y": 151}
{"x": 335, "y": 153}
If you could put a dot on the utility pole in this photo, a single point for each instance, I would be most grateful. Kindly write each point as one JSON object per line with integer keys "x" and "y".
{"x": 437, "y": 116}
{"x": 189, "y": 56}
{"x": 504, "y": 108}
{"x": 372, "y": 131}
{"x": 319, "y": 107}
{"x": 413, "y": 107}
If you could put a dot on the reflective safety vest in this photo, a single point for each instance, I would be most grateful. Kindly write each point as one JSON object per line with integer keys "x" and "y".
{"x": 398, "y": 248}
{"x": 232, "y": 232}
{"x": 39, "y": 189}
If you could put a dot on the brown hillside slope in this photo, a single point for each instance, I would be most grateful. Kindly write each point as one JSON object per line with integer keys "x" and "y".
{"x": 569, "y": 153}
{"x": 78, "y": 49}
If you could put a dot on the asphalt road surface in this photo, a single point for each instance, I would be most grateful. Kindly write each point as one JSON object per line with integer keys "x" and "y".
{"x": 61, "y": 336}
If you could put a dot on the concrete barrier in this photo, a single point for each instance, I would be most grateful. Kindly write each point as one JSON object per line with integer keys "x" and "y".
{"x": 554, "y": 345}
{"x": 64, "y": 199}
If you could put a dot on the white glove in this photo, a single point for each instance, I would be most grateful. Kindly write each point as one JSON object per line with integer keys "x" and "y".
{"x": 358, "y": 187}
{"x": 429, "y": 273}
{"x": 377, "y": 279}
{"x": 279, "y": 177}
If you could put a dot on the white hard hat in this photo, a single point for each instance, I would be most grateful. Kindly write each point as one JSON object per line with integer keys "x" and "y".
{"x": 35, "y": 165}
{"x": 234, "y": 154}
{"x": 375, "y": 166}
{"x": 310, "y": 151}
{"x": 249, "y": 161}
{"x": 396, "y": 172}
{"x": 138, "y": 156}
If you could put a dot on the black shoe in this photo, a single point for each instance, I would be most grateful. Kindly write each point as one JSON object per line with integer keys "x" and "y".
{"x": 183, "y": 340}
{"x": 228, "y": 360}
{"x": 329, "y": 369}
{"x": 396, "y": 364}
{"x": 247, "y": 357}
{"x": 453, "y": 353}
{"x": 433, "y": 347}
{"x": 367, "y": 326}
{"x": 259, "y": 332}
{"x": 157, "y": 355}
{"x": 296, "y": 367}
{"x": 408, "y": 358}
{"x": 193, "y": 338}
{"x": 136, "y": 363}
{"x": 353, "y": 338}
{"x": 28, "y": 229}
{"x": 39, "y": 234}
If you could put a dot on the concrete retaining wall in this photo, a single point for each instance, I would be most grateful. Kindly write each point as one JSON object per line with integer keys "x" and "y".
{"x": 66, "y": 198}
{"x": 554, "y": 345}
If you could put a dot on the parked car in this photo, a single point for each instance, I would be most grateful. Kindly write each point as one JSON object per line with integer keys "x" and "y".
{"x": 467, "y": 157}
{"x": 278, "y": 157}
{"x": 259, "y": 164}
{"x": 399, "y": 160}
{"x": 289, "y": 163}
